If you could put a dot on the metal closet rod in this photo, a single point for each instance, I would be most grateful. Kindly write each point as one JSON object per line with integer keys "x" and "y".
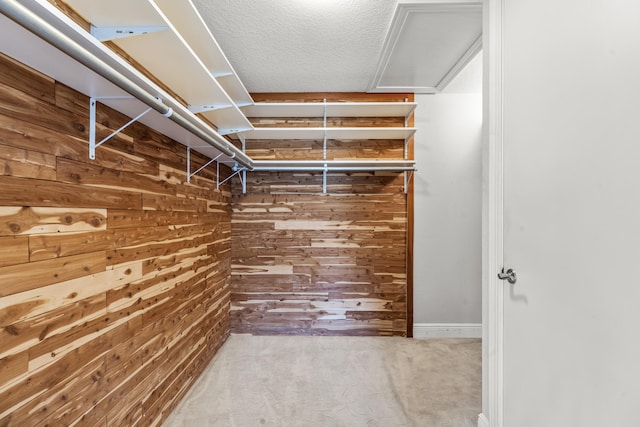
{"x": 45, "y": 30}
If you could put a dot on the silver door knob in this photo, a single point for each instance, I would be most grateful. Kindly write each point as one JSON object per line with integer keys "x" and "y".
{"x": 509, "y": 276}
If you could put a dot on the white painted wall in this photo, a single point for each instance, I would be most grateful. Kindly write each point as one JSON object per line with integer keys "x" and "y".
{"x": 448, "y": 207}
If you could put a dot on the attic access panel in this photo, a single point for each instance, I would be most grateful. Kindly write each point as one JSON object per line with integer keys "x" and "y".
{"x": 427, "y": 45}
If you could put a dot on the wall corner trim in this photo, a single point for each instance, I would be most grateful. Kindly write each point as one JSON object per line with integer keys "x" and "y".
{"x": 447, "y": 330}
{"x": 483, "y": 421}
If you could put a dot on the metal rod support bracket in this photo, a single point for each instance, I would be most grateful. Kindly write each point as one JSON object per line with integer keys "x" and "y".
{"x": 408, "y": 176}
{"x": 237, "y": 171}
{"x": 243, "y": 179}
{"x": 189, "y": 174}
{"x": 324, "y": 178}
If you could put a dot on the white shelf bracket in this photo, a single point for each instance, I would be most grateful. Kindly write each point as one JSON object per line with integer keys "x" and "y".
{"x": 237, "y": 171}
{"x": 406, "y": 148}
{"x": 189, "y": 174}
{"x": 104, "y": 34}
{"x": 223, "y": 131}
{"x": 408, "y": 176}
{"x": 324, "y": 125}
{"x": 218, "y": 74}
{"x": 243, "y": 176}
{"x": 93, "y": 103}
{"x": 207, "y": 107}
{"x": 324, "y": 179}
{"x": 243, "y": 179}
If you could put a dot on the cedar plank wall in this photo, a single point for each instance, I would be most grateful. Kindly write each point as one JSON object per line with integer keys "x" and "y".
{"x": 114, "y": 273}
{"x": 309, "y": 263}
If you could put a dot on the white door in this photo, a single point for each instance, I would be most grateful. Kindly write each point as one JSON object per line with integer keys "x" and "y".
{"x": 571, "y": 126}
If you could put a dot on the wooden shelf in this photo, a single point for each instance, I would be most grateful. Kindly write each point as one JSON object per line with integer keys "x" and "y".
{"x": 170, "y": 57}
{"x": 333, "y": 109}
{"x": 314, "y": 133}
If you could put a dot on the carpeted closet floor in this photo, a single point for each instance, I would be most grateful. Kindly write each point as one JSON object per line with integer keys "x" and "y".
{"x": 337, "y": 381}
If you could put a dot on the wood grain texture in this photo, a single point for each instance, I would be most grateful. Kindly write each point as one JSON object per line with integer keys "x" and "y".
{"x": 114, "y": 273}
{"x": 28, "y": 220}
{"x": 27, "y": 164}
{"x": 14, "y": 250}
{"x": 304, "y": 262}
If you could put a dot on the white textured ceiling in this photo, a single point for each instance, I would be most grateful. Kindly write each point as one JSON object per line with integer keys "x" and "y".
{"x": 313, "y": 45}
{"x": 300, "y": 45}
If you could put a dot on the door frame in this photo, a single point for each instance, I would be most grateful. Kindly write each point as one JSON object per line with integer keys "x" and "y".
{"x": 492, "y": 222}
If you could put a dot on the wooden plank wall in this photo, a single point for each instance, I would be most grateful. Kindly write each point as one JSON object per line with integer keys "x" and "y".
{"x": 114, "y": 273}
{"x": 309, "y": 263}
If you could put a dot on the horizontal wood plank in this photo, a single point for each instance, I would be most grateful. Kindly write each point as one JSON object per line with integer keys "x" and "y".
{"x": 28, "y": 80}
{"x": 37, "y": 192}
{"x": 14, "y": 104}
{"x": 37, "y": 220}
{"x": 14, "y": 250}
{"x": 17, "y": 278}
{"x": 27, "y": 164}
{"x": 49, "y": 246}
{"x": 47, "y": 299}
{"x": 13, "y": 366}
{"x": 99, "y": 176}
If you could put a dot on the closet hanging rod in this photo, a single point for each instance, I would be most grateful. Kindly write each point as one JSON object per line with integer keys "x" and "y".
{"x": 52, "y": 35}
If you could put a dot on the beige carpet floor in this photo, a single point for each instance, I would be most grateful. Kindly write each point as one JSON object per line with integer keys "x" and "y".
{"x": 337, "y": 381}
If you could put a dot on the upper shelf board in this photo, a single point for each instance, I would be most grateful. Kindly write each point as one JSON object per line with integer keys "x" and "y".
{"x": 189, "y": 23}
{"x": 166, "y": 54}
{"x": 333, "y": 109}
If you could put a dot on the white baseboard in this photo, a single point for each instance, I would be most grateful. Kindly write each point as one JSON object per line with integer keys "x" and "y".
{"x": 483, "y": 421}
{"x": 447, "y": 330}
